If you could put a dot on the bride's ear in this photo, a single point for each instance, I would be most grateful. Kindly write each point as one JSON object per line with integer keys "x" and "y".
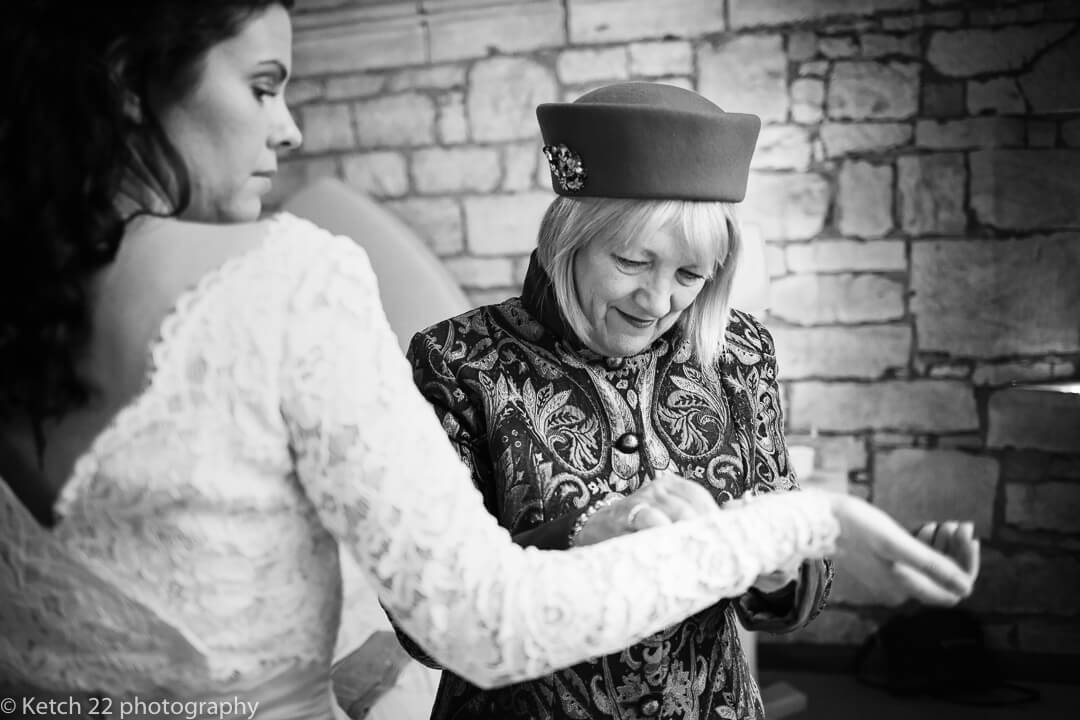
{"x": 117, "y": 59}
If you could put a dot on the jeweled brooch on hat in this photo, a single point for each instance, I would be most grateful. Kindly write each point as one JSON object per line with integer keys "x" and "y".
{"x": 565, "y": 166}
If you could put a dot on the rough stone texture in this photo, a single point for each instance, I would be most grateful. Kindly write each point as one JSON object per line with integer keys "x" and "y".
{"x": 1053, "y": 506}
{"x": 367, "y": 45}
{"x": 866, "y": 351}
{"x": 601, "y": 21}
{"x": 447, "y": 170}
{"x": 748, "y": 74}
{"x": 995, "y": 374}
{"x": 294, "y": 173}
{"x": 442, "y": 77}
{"x": 869, "y": 90}
{"x": 653, "y": 59}
{"x": 833, "y": 625}
{"x": 915, "y": 485}
{"x": 931, "y": 406}
{"x": 746, "y": 13}
{"x": 1034, "y": 417}
{"x": 864, "y": 197}
{"x": 326, "y": 127}
{"x": 931, "y": 189}
{"x": 351, "y": 87}
{"x": 789, "y": 207}
{"x": 592, "y": 64}
{"x": 1070, "y": 133}
{"x": 1026, "y": 583}
{"x": 451, "y": 124}
{"x": 997, "y": 95}
{"x": 818, "y": 68}
{"x": 504, "y": 224}
{"x": 876, "y": 45}
{"x": 775, "y": 261}
{"x": 949, "y": 370}
{"x": 844, "y": 298}
{"x": 395, "y": 120}
{"x": 481, "y": 273}
{"x": 479, "y": 32}
{"x": 519, "y": 166}
{"x": 782, "y": 147}
{"x": 943, "y": 99}
{"x": 381, "y": 174}
{"x": 987, "y": 299}
{"x": 847, "y": 138}
{"x": 801, "y": 45}
{"x": 943, "y": 19}
{"x": 969, "y": 133}
{"x": 1041, "y": 133}
{"x": 846, "y": 255}
{"x": 300, "y": 91}
{"x": 833, "y": 453}
{"x": 436, "y": 220}
{"x": 965, "y": 53}
{"x": 807, "y": 100}
{"x": 838, "y": 47}
{"x": 1026, "y": 189}
{"x": 503, "y": 95}
{"x": 1052, "y": 83}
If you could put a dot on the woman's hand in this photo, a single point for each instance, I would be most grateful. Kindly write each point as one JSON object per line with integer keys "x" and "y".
{"x": 893, "y": 566}
{"x": 955, "y": 539}
{"x": 666, "y": 499}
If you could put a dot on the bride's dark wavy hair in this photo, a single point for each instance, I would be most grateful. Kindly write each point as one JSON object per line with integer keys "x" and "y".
{"x": 85, "y": 80}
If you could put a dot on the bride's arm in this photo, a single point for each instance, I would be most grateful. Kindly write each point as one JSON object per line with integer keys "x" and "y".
{"x": 385, "y": 481}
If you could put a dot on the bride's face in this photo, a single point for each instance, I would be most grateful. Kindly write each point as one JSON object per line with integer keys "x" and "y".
{"x": 230, "y": 127}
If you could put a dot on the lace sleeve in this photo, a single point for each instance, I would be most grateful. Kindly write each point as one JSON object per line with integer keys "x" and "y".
{"x": 385, "y": 481}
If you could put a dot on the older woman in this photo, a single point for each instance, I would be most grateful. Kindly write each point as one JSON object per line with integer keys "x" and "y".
{"x": 622, "y": 358}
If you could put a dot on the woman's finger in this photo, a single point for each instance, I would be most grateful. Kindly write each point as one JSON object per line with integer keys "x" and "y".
{"x": 926, "y": 532}
{"x": 642, "y": 515}
{"x": 900, "y": 547}
{"x": 945, "y": 539}
{"x": 919, "y": 587}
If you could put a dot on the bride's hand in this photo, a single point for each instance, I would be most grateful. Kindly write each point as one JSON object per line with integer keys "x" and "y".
{"x": 892, "y": 565}
{"x": 955, "y": 539}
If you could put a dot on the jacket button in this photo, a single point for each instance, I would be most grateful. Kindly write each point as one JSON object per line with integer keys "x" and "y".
{"x": 650, "y": 707}
{"x": 628, "y": 443}
{"x": 614, "y": 362}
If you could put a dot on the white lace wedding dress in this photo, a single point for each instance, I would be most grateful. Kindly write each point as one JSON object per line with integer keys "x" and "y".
{"x": 196, "y": 552}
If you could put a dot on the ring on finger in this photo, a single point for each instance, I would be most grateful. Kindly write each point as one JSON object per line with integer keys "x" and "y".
{"x": 634, "y": 512}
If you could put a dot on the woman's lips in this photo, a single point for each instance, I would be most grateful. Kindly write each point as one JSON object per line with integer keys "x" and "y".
{"x": 635, "y": 321}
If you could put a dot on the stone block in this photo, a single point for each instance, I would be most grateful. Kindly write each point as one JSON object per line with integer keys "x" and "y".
{"x": 1053, "y": 506}
{"x": 840, "y": 46}
{"x": 1061, "y": 637}
{"x": 931, "y": 189}
{"x": 969, "y": 133}
{"x": 479, "y": 32}
{"x": 807, "y": 100}
{"x": 503, "y": 95}
{"x": 860, "y": 90}
{"x": 1070, "y": 132}
{"x": 481, "y": 273}
{"x": 943, "y": 99}
{"x": 775, "y": 261}
{"x": 300, "y": 92}
{"x": 1052, "y": 85}
{"x": 1026, "y": 189}
{"x": 1026, "y": 582}
{"x": 865, "y": 199}
{"x": 450, "y": 123}
{"x": 916, "y": 21}
{"x": 356, "y": 46}
{"x": 436, "y": 220}
{"x": 438, "y": 77}
{"x": 876, "y": 45}
{"x": 851, "y": 138}
{"x": 294, "y": 173}
{"x": 504, "y": 224}
{"x": 842, "y": 298}
{"x": 519, "y": 166}
{"x": 830, "y": 256}
{"x": 1042, "y": 133}
{"x": 326, "y": 127}
{"x": 354, "y": 86}
{"x": 997, "y": 95}
{"x": 817, "y": 68}
{"x": 589, "y": 65}
{"x": 438, "y": 171}
{"x": 604, "y": 21}
{"x": 750, "y": 13}
{"x": 1035, "y": 417}
{"x": 997, "y": 298}
{"x": 379, "y": 174}
{"x": 921, "y": 406}
{"x": 864, "y": 351}
{"x": 970, "y": 52}
{"x": 746, "y": 73}
{"x": 491, "y": 296}
{"x": 786, "y": 207}
{"x": 915, "y": 485}
{"x": 997, "y": 374}
{"x": 655, "y": 59}
{"x": 395, "y": 120}
{"x": 833, "y": 453}
{"x": 801, "y": 45}
{"x": 782, "y": 147}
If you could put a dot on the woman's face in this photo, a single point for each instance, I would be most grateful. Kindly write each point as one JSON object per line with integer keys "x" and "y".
{"x": 633, "y": 294}
{"x": 231, "y": 125}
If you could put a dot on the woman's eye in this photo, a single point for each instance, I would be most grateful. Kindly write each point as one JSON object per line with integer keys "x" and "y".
{"x": 261, "y": 93}
{"x": 630, "y": 264}
{"x": 690, "y": 276}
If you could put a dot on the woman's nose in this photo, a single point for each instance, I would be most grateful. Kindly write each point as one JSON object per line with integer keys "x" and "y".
{"x": 654, "y": 297}
{"x": 286, "y": 135}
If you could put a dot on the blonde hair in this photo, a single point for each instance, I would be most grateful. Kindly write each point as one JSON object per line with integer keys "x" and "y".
{"x": 708, "y": 230}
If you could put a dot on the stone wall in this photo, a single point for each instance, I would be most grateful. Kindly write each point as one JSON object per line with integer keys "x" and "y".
{"x": 916, "y": 182}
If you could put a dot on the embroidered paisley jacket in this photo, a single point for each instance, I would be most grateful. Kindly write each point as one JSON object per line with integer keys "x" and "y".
{"x": 547, "y": 427}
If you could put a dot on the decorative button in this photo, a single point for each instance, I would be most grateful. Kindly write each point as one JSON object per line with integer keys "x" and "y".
{"x": 628, "y": 443}
{"x": 614, "y": 362}
{"x": 650, "y": 707}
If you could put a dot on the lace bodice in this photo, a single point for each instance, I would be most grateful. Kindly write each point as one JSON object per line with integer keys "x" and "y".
{"x": 197, "y": 547}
